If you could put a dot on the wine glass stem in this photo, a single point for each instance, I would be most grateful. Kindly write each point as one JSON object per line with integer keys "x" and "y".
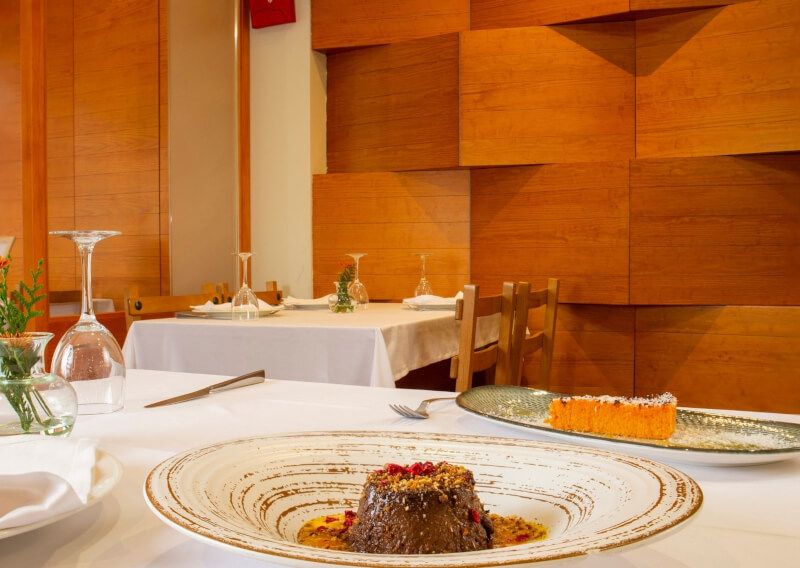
{"x": 244, "y": 270}
{"x": 358, "y": 258}
{"x": 87, "y": 304}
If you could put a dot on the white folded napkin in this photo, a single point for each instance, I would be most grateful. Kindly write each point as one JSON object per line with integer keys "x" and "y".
{"x": 226, "y": 307}
{"x": 44, "y": 478}
{"x": 430, "y": 299}
{"x": 292, "y": 301}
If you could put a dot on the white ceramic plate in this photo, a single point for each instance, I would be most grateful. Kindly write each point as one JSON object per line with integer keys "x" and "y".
{"x": 430, "y": 307}
{"x": 700, "y": 438}
{"x": 106, "y": 475}
{"x": 252, "y": 496}
{"x": 307, "y": 306}
{"x": 226, "y": 315}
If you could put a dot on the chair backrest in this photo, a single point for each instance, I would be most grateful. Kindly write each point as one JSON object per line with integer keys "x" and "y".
{"x": 135, "y": 306}
{"x": 498, "y": 355}
{"x": 63, "y": 296}
{"x": 270, "y": 294}
{"x": 523, "y": 342}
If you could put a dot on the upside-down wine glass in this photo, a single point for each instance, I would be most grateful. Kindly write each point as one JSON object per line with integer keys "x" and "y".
{"x": 245, "y": 302}
{"x": 356, "y": 289}
{"x": 424, "y": 287}
{"x": 88, "y": 356}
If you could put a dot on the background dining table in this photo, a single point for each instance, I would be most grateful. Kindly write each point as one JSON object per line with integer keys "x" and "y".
{"x": 749, "y": 516}
{"x": 372, "y": 347}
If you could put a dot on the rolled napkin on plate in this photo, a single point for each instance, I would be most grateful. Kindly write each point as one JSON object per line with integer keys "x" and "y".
{"x": 430, "y": 301}
{"x": 226, "y": 307}
{"x": 292, "y": 302}
{"x": 44, "y": 478}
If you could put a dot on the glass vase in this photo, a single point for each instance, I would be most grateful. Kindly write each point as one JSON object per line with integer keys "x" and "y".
{"x": 88, "y": 356}
{"x": 32, "y": 401}
{"x": 340, "y": 302}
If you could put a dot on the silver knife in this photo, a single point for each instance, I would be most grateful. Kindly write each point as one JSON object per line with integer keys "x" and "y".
{"x": 241, "y": 381}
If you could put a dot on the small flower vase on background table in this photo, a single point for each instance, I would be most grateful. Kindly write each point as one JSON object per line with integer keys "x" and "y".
{"x": 32, "y": 401}
{"x": 340, "y": 302}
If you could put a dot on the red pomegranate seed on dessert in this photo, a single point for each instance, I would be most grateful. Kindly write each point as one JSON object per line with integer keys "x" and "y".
{"x": 394, "y": 469}
{"x": 330, "y": 519}
{"x": 414, "y": 469}
{"x": 475, "y": 516}
{"x": 349, "y": 514}
{"x": 522, "y": 537}
{"x": 428, "y": 468}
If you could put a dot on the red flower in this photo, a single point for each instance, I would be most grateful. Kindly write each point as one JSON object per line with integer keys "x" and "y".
{"x": 4, "y": 262}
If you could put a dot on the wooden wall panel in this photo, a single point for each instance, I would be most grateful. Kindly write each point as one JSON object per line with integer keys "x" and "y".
{"x": 487, "y": 14}
{"x": 336, "y": 24}
{"x": 392, "y": 216}
{"x": 118, "y": 159}
{"x": 719, "y": 81}
{"x": 64, "y": 273}
{"x": 740, "y": 357}
{"x": 394, "y": 107}
{"x": 541, "y": 95}
{"x": 593, "y": 351}
{"x": 716, "y": 230}
{"x": 11, "y": 133}
{"x": 568, "y": 221}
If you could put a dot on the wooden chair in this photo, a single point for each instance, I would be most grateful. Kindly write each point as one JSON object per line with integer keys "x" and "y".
{"x": 497, "y": 355}
{"x": 64, "y": 296}
{"x": 270, "y": 295}
{"x": 135, "y": 306}
{"x": 524, "y": 343}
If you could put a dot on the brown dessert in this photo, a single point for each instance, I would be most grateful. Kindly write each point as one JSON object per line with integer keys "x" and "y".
{"x": 420, "y": 509}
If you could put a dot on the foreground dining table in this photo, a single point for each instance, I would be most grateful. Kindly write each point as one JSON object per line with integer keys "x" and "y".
{"x": 749, "y": 516}
{"x": 372, "y": 347}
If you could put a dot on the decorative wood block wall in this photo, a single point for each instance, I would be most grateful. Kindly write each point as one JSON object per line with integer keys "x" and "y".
{"x": 541, "y": 95}
{"x": 568, "y": 221}
{"x": 719, "y": 81}
{"x": 717, "y": 230}
{"x": 618, "y": 134}
{"x": 336, "y": 24}
{"x": 518, "y": 96}
{"x": 593, "y": 352}
{"x": 11, "y": 133}
{"x": 391, "y": 217}
{"x": 720, "y": 356}
{"x": 486, "y": 14}
{"x": 394, "y": 107}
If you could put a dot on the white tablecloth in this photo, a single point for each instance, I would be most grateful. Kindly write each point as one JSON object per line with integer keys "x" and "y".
{"x": 749, "y": 517}
{"x": 373, "y": 347}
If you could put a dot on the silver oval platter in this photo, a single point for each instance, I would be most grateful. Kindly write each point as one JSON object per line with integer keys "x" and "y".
{"x": 700, "y": 438}
{"x": 252, "y": 496}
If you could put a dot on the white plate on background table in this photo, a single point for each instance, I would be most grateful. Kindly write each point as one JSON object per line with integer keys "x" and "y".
{"x": 700, "y": 438}
{"x": 107, "y": 473}
{"x": 252, "y": 496}
{"x": 300, "y": 305}
{"x": 430, "y": 307}
{"x": 225, "y": 315}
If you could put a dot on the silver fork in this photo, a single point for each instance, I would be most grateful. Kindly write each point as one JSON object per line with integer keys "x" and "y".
{"x": 420, "y": 412}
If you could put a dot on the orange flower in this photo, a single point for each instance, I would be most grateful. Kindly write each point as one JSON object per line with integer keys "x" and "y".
{"x": 4, "y": 262}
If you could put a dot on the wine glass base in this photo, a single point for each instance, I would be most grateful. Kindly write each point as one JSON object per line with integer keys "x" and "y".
{"x": 90, "y": 408}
